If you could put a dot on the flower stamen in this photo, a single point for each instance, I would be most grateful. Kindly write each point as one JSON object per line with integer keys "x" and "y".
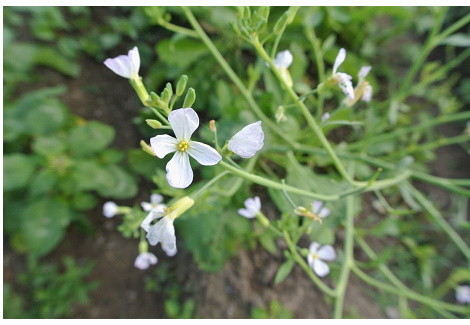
{"x": 183, "y": 146}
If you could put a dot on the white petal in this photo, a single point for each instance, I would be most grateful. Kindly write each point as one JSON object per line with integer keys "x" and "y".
{"x": 248, "y": 141}
{"x": 253, "y": 204}
{"x": 339, "y": 59}
{"x": 162, "y": 232}
{"x": 156, "y": 198}
{"x": 110, "y": 209}
{"x": 134, "y": 57}
{"x": 363, "y": 72}
{"x": 120, "y": 65}
{"x": 345, "y": 83}
{"x": 325, "y": 212}
{"x": 149, "y": 218}
{"x": 283, "y": 59}
{"x": 320, "y": 268}
{"x": 326, "y": 116}
{"x": 179, "y": 172}
{"x": 169, "y": 248}
{"x": 184, "y": 122}
{"x": 247, "y": 213}
{"x": 463, "y": 294}
{"x": 146, "y": 206}
{"x": 313, "y": 248}
{"x": 163, "y": 144}
{"x": 144, "y": 260}
{"x": 367, "y": 94}
{"x": 327, "y": 253}
{"x": 204, "y": 154}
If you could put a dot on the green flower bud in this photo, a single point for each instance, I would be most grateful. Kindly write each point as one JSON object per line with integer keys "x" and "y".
{"x": 180, "y": 206}
{"x": 170, "y": 88}
{"x": 146, "y": 148}
{"x": 153, "y": 123}
{"x": 166, "y": 95}
{"x": 264, "y": 13}
{"x": 190, "y": 98}
{"x": 281, "y": 23}
{"x": 181, "y": 85}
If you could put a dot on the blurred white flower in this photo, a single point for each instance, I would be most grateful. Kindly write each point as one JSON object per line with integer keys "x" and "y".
{"x": 154, "y": 204}
{"x": 343, "y": 80}
{"x": 248, "y": 141}
{"x": 283, "y": 59}
{"x": 462, "y": 294}
{"x": 184, "y": 122}
{"x": 318, "y": 255}
{"x": 325, "y": 117}
{"x": 110, "y": 209}
{"x": 252, "y": 207}
{"x": 126, "y": 66}
{"x": 319, "y": 209}
{"x": 163, "y": 232}
{"x": 144, "y": 260}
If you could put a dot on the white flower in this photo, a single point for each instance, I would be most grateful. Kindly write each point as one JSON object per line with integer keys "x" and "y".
{"x": 248, "y": 141}
{"x": 163, "y": 232}
{"x": 126, "y": 66}
{"x": 110, "y": 209}
{"x": 342, "y": 79}
{"x": 252, "y": 205}
{"x": 462, "y": 294}
{"x": 184, "y": 122}
{"x": 319, "y": 209}
{"x": 154, "y": 203}
{"x": 318, "y": 255}
{"x": 367, "y": 91}
{"x": 325, "y": 117}
{"x": 283, "y": 59}
{"x": 144, "y": 260}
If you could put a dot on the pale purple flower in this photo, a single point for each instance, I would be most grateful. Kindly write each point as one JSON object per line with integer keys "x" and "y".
{"x": 126, "y": 66}
{"x": 343, "y": 80}
{"x": 248, "y": 141}
{"x": 252, "y": 207}
{"x": 462, "y": 294}
{"x": 110, "y": 209}
{"x": 144, "y": 260}
{"x": 318, "y": 255}
{"x": 184, "y": 122}
{"x": 319, "y": 209}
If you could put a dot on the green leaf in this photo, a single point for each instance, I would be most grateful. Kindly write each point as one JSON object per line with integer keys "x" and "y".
{"x": 122, "y": 185}
{"x": 283, "y": 271}
{"x": 180, "y": 52}
{"x": 46, "y": 118}
{"x": 42, "y": 182}
{"x": 51, "y": 58}
{"x": 49, "y": 145}
{"x": 43, "y": 226}
{"x": 93, "y": 137}
{"x": 17, "y": 171}
{"x": 84, "y": 201}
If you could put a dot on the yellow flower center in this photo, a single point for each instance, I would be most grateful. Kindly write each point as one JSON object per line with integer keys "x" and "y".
{"x": 315, "y": 256}
{"x": 183, "y": 146}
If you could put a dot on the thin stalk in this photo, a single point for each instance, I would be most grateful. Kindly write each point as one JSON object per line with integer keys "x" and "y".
{"x": 439, "y": 219}
{"x": 407, "y": 293}
{"x": 234, "y": 77}
{"x": 208, "y": 184}
{"x": 348, "y": 259}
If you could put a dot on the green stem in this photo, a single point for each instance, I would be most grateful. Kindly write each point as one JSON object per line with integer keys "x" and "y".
{"x": 439, "y": 219}
{"x": 376, "y": 138}
{"x": 208, "y": 184}
{"x": 408, "y": 293}
{"x": 348, "y": 259}
{"x": 234, "y": 77}
{"x": 310, "y": 120}
{"x": 298, "y": 258}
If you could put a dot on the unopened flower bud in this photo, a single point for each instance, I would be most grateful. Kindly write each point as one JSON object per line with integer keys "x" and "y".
{"x": 280, "y": 114}
{"x": 153, "y": 123}
{"x": 166, "y": 94}
{"x": 181, "y": 206}
{"x": 190, "y": 98}
{"x": 281, "y": 23}
{"x": 212, "y": 126}
{"x": 146, "y": 148}
{"x": 181, "y": 85}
